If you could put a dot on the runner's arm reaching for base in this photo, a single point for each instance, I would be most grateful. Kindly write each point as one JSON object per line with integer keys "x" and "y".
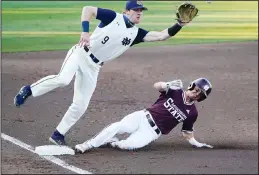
{"x": 188, "y": 134}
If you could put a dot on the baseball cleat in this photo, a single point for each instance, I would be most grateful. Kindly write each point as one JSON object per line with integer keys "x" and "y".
{"x": 57, "y": 138}
{"x": 81, "y": 148}
{"x": 22, "y": 95}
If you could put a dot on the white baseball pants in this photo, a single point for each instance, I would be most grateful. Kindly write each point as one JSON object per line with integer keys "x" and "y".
{"x": 78, "y": 63}
{"x": 136, "y": 124}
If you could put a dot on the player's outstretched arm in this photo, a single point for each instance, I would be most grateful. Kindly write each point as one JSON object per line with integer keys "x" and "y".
{"x": 185, "y": 14}
{"x": 189, "y": 136}
{"x": 163, "y": 35}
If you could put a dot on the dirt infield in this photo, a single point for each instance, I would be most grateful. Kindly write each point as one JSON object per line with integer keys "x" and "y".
{"x": 228, "y": 119}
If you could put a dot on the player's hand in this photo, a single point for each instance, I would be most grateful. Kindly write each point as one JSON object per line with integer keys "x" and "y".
{"x": 84, "y": 40}
{"x": 176, "y": 84}
{"x": 206, "y": 146}
{"x": 182, "y": 23}
{"x": 203, "y": 145}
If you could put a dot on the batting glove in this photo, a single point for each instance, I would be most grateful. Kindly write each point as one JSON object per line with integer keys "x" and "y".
{"x": 176, "y": 84}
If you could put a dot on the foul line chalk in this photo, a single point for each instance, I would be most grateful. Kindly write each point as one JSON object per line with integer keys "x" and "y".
{"x": 52, "y": 159}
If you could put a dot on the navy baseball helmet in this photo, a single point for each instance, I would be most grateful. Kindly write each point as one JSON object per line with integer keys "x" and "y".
{"x": 135, "y": 4}
{"x": 205, "y": 86}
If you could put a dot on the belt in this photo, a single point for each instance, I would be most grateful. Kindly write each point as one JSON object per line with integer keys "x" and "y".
{"x": 152, "y": 124}
{"x": 93, "y": 57}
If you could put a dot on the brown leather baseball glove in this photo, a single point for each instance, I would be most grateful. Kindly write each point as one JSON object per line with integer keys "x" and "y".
{"x": 186, "y": 12}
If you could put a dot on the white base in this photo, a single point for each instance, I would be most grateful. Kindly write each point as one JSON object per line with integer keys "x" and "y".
{"x": 51, "y": 150}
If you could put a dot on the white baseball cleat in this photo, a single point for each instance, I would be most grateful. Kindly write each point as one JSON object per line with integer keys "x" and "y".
{"x": 81, "y": 148}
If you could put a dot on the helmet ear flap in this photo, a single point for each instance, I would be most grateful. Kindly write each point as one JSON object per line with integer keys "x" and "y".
{"x": 202, "y": 97}
{"x": 191, "y": 86}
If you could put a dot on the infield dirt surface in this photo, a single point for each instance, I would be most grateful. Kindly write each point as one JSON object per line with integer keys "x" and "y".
{"x": 228, "y": 119}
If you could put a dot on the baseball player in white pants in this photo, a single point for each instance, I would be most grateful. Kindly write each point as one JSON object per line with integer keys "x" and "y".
{"x": 173, "y": 106}
{"x": 135, "y": 124}
{"x": 115, "y": 34}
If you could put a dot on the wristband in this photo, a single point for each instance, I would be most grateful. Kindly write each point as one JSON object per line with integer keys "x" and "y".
{"x": 174, "y": 29}
{"x": 85, "y": 26}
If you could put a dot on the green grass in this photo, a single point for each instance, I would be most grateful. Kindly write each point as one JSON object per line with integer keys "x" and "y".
{"x": 55, "y": 25}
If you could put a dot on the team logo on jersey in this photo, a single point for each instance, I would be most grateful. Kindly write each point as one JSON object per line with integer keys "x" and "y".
{"x": 174, "y": 110}
{"x": 126, "y": 41}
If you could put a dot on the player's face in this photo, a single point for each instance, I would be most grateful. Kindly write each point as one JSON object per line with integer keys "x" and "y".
{"x": 135, "y": 15}
{"x": 195, "y": 93}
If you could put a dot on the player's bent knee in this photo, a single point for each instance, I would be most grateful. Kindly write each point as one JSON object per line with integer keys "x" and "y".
{"x": 115, "y": 126}
{"x": 125, "y": 145}
{"x": 63, "y": 81}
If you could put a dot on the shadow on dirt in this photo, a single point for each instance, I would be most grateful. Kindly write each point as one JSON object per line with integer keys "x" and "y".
{"x": 183, "y": 146}
{"x": 216, "y": 146}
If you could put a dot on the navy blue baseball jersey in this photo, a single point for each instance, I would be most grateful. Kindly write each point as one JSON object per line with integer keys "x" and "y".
{"x": 170, "y": 109}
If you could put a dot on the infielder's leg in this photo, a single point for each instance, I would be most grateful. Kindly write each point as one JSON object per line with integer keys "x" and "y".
{"x": 48, "y": 83}
{"x": 64, "y": 77}
{"x": 128, "y": 124}
{"x": 84, "y": 86}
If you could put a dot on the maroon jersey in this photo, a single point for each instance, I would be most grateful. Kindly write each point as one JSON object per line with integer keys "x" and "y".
{"x": 170, "y": 109}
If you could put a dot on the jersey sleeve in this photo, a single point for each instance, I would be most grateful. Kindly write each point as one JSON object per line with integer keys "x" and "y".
{"x": 188, "y": 124}
{"x": 106, "y": 16}
{"x": 140, "y": 36}
{"x": 169, "y": 92}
